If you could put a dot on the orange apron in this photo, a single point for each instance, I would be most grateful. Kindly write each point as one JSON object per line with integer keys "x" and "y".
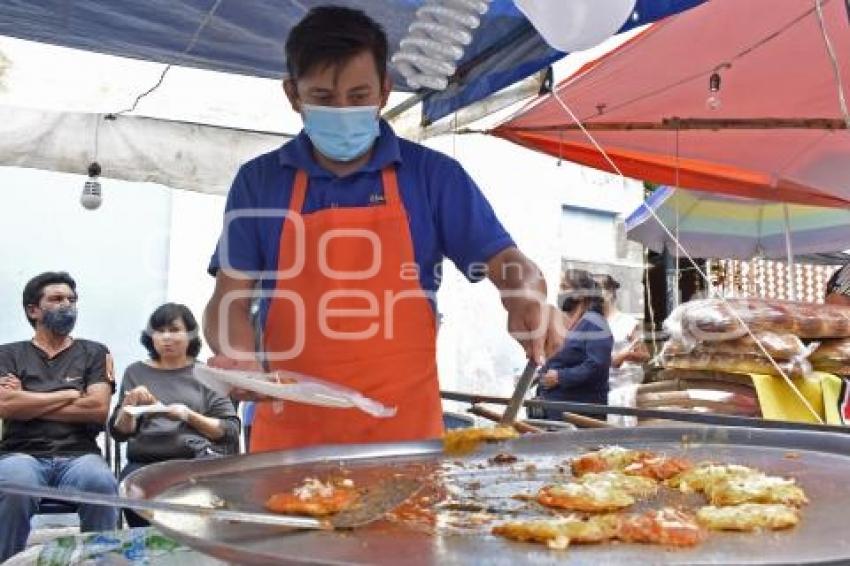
{"x": 365, "y": 324}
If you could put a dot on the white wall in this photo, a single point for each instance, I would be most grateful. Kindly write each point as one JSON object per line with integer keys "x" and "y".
{"x": 475, "y": 351}
{"x": 195, "y": 226}
{"x": 117, "y": 254}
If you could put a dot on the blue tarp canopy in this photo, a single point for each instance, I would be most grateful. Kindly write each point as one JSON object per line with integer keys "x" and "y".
{"x": 247, "y": 36}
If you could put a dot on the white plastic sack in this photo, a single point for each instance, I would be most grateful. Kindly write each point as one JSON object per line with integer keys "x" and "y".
{"x": 573, "y": 25}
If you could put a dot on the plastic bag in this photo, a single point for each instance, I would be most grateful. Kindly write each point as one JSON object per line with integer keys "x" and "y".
{"x": 715, "y": 320}
{"x": 832, "y": 356}
{"x": 778, "y": 346}
{"x": 290, "y": 386}
{"x": 733, "y": 363}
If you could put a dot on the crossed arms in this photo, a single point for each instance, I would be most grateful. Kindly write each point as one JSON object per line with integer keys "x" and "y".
{"x": 67, "y": 405}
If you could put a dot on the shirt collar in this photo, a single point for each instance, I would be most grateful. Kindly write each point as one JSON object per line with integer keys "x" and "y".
{"x": 298, "y": 153}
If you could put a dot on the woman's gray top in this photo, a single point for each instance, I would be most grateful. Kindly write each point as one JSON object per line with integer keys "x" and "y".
{"x": 159, "y": 438}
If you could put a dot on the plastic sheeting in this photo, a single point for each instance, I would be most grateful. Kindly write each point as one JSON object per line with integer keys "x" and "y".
{"x": 196, "y": 157}
{"x": 773, "y": 63}
{"x": 247, "y": 36}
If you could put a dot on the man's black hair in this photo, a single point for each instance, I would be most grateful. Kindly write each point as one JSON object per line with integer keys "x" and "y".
{"x": 163, "y": 316}
{"x": 332, "y": 35}
{"x": 34, "y": 289}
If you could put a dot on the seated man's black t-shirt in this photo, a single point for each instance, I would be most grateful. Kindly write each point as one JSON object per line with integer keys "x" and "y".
{"x": 82, "y": 364}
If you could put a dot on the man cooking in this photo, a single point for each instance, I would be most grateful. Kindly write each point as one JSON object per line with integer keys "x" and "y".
{"x": 344, "y": 229}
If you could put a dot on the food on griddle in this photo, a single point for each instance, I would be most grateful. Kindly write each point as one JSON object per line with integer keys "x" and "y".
{"x": 632, "y": 462}
{"x": 671, "y": 527}
{"x": 598, "y": 492}
{"x": 749, "y": 517}
{"x": 466, "y": 440}
{"x": 606, "y": 458}
{"x": 731, "y": 484}
{"x": 561, "y": 532}
{"x": 657, "y": 467}
{"x": 705, "y": 475}
{"x": 314, "y": 498}
{"x": 503, "y": 458}
{"x": 757, "y": 488}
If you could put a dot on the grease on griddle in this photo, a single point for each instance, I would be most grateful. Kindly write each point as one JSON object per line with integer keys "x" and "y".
{"x": 503, "y": 458}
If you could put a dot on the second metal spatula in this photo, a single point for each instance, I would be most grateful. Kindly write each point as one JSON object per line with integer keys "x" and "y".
{"x": 376, "y": 502}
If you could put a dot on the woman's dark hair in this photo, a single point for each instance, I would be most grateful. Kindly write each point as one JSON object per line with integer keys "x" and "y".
{"x": 584, "y": 287}
{"x": 165, "y": 315}
{"x": 332, "y": 35}
{"x": 34, "y": 289}
{"x": 609, "y": 284}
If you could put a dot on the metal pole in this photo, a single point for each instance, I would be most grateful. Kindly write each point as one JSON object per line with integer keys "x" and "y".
{"x": 792, "y": 275}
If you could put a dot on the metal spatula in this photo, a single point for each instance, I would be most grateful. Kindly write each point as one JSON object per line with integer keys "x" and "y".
{"x": 376, "y": 502}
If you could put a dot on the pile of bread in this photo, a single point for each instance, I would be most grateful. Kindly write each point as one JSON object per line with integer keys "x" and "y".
{"x": 715, "y": 345}
{"x": 758, "y": 336}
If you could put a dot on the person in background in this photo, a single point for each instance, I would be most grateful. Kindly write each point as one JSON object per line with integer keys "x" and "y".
{"x": 579, "y": 370}
{"x": 195, "y": 422}
{"x": 629, "y": 351}
{"x": 838, "y": 287}
{"x": 54, "y": 400}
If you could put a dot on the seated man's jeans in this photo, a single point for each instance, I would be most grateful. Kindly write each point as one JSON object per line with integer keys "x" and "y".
{"x": 84, "y": 473}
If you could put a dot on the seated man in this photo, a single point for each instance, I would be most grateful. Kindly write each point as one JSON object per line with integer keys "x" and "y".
{"x": 54, "y": 400}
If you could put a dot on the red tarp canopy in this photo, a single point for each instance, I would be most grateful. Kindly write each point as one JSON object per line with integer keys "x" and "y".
{"x": 773, "y": 62}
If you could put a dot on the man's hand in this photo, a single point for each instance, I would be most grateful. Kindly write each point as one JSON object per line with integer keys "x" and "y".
{"x": 10, "y": 382}
{"x": 556, "y": 330}
{"x": 139, "y": 396}
{"x": 528, "y": 321}
{"x": 523, "y": 292}
{"x": 549, "y": 379}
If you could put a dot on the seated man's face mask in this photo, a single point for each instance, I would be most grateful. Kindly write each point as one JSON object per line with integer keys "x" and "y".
{"x": 341, "y": 133}
{"x": 60, "y": 320}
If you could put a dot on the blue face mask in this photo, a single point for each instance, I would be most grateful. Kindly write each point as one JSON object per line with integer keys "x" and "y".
{"x": 341, "y": 134}
{"x": 60, "y": 321}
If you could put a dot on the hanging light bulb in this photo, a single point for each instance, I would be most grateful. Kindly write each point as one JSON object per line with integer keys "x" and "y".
{"x": 713, "y": 101}
{"x": 435, "y": 42}
{"x": 92, "y": 196}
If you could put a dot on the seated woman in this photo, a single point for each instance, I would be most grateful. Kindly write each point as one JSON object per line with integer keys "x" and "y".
{"x": 579, "y": 370}
{"x": 838, "y": 287}
{"x": 196, "y": 422}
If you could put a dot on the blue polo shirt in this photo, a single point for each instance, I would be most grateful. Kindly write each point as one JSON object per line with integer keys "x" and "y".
{"x": 448, "y": 214}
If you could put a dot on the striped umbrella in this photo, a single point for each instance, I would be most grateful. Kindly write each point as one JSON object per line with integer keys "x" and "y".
{"x": 710, "y": 225}
{"x": 717, "y": 226}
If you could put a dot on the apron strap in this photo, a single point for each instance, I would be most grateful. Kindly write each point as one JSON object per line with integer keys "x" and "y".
{"x": 390, "y": 181}
{"x": 299, "y": 191}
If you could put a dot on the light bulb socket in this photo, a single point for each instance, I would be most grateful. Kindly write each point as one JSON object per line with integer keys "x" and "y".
{"x": 714, "y": 82}
{"x": 94, "y": 169}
